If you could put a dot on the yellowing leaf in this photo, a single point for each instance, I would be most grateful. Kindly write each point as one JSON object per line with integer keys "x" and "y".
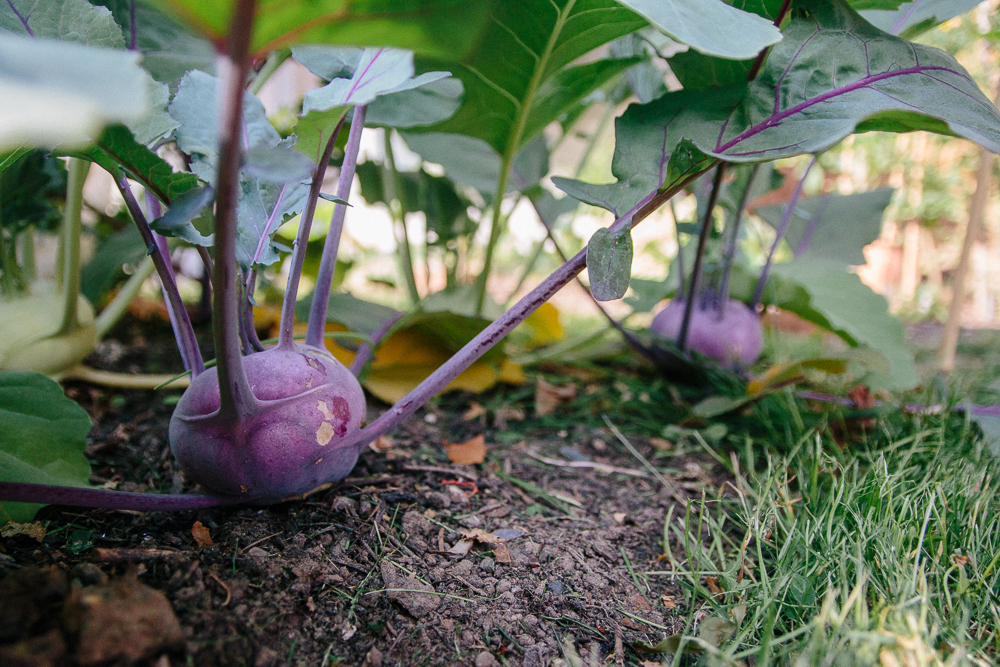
{"x": 409, "y": 355}
{"x": 469, "y": 452}
{"x": 780, "y": 374}
{"x": 543, "y": 327}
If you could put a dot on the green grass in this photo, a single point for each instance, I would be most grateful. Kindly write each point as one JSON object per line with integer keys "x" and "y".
{"x": 884, "y": 552}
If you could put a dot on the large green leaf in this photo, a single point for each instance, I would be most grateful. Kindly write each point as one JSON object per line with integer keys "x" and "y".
{"x": 106, "y": 265}
{"x": 436, "y": 27}
{"x": 804, "y": 100}
{"x": 518, "y": 78}
{"x": 912, "y": 18}
{"x": 42, "y": 437}
{"x": 54, "y": 93}
{"x": 27, "y": 189}
{"x": 168, "y": 50}
{"x": 837, "y": 300}
{"x": 709, "y": 26}
{"x": 263, "y": 208}
{"x": 833, "y": 227}
{"x": 65, "y": 20}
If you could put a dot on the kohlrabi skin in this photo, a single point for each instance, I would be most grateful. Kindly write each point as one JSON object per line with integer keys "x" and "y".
{"x": 307, "y": 402}
{"x": 731, "y": 335}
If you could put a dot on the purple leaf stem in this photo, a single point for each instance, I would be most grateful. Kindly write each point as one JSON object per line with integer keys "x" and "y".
{"x": 248, "y": 325}
{"x": 75, "y": 496}
{"x": 503, "y": 325}
{"x": 365, "y": 351}
{"x": 696, "y": 271}
{"x": 235, "y": 397}
{"x": 730, "y": 250}
{"x": 179, "y": 319}
{"x": 164, "y": 249}
{"x": 779, "y": 234}
{"x": 759, "y": 60}
{"x": 24, "y": 20}
{"x": 131, "y": 24}
{"x": 302, "y": 239}
{"x": 814, "y": 221}
{"x": 327, "y": 264}
{"x": 775, "y": 119}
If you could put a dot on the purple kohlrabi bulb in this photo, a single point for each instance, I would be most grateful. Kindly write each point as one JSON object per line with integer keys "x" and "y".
{"x": 307, "y": 402}
{"x": 732, "y": 335}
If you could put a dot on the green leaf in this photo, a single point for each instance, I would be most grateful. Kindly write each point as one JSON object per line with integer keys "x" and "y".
{"x": 277, "y": 164}
{"x": 609, "y": 264}
{"x": 354, "y": 313}
{"x": 443, "y": 207}
{"x": 446, "y": 28}
{"x": 65, "y": 20}
{"x": 168, "y": 50}
{"x": 196, "y": 109}
{"x": 510, "y": 99}
{"x": 467, "y": 160}
{"x": 42, "y": 437}
{"x": 825, "y": 293}
{"x": 709, "y": 26}
{"x": 833, "y": 227}
{"x": 55, "y": 93}
{"x": 105, "y": 266}
{"x": 427, "y": 104}
{"x": 804, "y": 101}
{"x": 378, "y": 72}
{"x": 116, "y": 147}
{"x": 644, "y": 79}
{"x": 157, "y": 125}
{"x": 263, "y": 207}
{"x": 27, "y": 189}
{"x": 176, "y": 222}
{"x": 653, "y": 146}
{"x": 909, "y": 19}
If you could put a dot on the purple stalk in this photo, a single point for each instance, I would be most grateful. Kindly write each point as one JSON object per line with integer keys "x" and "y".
{"x": 365, "y": 351}
{"x": 48, "y": 494}
{"x": 502, "y": 326}
{"x": 779, "y": 234}
{"x": 164, "y": 250}
{"x": 328, "y": 263}
{"x": 179, "y": 319}
{"x": 730, "y": 250}
{"x": 696, "y": 272}
{"x": 24, "y": 21}
{"x": 302, "y": 239}
{"x": 248, "y": 323}
{"x": 759, "y": 60}
{"x": 814, "y": 221}
{"x": 775, "y": 119}
{"x": 235, "y": 397}
{"x": 131, "y": 24}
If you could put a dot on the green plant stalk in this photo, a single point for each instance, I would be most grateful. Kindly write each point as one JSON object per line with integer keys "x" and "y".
{"x": 513, "y": 143}
{"x": 29, "y": 271}
{"x": 393, "y": 194}
{"x": 70, "y": 240}
{"x": 119, "y": 304}
{"x": 8, "y": 260}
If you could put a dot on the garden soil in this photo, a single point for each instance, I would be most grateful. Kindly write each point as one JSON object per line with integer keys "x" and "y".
{"x": 541, "y": 555}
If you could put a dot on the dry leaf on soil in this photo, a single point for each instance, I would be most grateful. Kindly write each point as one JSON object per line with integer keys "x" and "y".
{"x": 470, "y": 452}
{"x": 201, "y": 535}
{"x": 548, "y": 396}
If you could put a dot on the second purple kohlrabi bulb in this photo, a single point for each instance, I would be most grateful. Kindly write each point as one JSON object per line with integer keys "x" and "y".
{"x": 308, "y": 402}
{"x": 732, "y": 335}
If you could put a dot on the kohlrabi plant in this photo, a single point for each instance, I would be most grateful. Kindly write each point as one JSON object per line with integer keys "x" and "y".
{"x": 268, "y": 423}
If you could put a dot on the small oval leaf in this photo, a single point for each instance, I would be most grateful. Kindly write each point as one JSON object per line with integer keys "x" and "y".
{"x": 609, "y": 264}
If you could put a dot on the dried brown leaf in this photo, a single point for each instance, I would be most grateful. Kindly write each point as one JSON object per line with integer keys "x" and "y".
{"x": 548, "y": 396}
{"x": 201, "y": 535}
{"x": 469, "y": 452}
{"x": 34, "y": 529}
